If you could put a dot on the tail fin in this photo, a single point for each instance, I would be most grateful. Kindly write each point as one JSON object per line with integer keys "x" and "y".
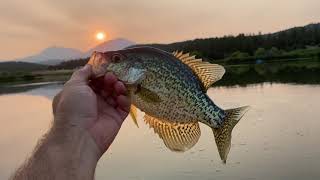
{"x": 222, "y": 135}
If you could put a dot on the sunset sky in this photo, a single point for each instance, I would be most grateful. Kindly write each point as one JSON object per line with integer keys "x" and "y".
{"x": 27, "y": 27}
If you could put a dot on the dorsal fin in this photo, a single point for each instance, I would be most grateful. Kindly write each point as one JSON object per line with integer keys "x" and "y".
{"x": 208, "y": 73}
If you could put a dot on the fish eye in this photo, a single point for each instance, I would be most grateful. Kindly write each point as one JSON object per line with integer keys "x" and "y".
{"x": 116, "y": 58}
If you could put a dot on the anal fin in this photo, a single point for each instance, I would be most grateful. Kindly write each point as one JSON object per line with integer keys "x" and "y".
{"x": 176, "y": 136}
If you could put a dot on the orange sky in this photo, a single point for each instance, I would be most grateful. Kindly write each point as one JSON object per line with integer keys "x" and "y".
{"x": 26, "y": 27}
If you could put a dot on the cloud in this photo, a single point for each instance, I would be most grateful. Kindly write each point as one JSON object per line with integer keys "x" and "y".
{"x": 72, "y": 22}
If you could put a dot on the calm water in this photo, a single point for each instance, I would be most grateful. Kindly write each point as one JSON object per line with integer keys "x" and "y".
{"x": 277, "y": 139}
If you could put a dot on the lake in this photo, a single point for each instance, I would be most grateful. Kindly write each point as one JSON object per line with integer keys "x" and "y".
{"x": 277, "y": 139}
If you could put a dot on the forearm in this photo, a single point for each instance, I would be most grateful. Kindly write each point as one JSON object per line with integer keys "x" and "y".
{"x": 63, "y": 153}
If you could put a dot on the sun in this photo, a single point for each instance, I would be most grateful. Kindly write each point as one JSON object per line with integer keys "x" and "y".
{"x": 100, "y": 36}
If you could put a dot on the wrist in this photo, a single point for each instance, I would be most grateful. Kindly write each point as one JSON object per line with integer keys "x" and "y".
{"x": 63, "y": 154}
{"x": 73, "y": 145}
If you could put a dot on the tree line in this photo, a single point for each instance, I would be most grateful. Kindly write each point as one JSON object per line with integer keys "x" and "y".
{"x": 223, "y": 47}
{"x": 297, "y": 42}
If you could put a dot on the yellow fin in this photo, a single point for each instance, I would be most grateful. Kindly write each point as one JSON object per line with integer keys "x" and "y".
{"x": 208, "y": 73}
{"x": 133, "y": 113}
{"x": 179, "y": 54}
{"x": 174, "y": 53}
{"x": 223, "y": 134}
{"x": 176, "y": 136}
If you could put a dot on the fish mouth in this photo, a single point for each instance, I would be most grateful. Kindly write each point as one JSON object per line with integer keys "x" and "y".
{"x": 99, "y": 63}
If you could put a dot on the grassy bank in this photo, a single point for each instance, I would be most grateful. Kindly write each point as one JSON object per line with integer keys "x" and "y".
{"x": 34, "y": 76}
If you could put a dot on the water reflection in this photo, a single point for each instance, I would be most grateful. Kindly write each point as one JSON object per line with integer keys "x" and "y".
{"x": 44, "y": 88}
{"x": 278, "y": 138}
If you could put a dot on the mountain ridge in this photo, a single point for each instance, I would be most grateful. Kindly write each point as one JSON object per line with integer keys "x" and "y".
{"x": 56, "y": 54}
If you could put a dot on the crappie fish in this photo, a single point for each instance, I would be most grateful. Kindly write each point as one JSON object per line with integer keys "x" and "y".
{"x": 171, "y": 90}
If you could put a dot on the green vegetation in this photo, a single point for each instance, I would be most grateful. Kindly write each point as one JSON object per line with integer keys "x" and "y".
{"x": 20, "y": 66}
{"x": 273, "y": 54}
{"x": 223, "y": 47}
{"x": 34, "y": 76}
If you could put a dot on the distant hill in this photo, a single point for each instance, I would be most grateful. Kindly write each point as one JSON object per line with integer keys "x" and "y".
{"x": 20, "y": 66}
{"x": 55, "y": 55}
{"x": 222, "y": 47}
{"x": 111, "y": 45}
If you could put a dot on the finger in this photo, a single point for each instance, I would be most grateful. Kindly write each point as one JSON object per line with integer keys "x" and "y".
{"x": 112, "y": 114}
{"x": 120, "y": 88}
{"x": 109, "y": 80}
{"x": 103, "y": 105}
{"x": 111, "y": 101}
{"x": 104, "y": 85}
{"x": 104, "y": 94}
{"x": 97, "y": 84}
{"x": 123, "y": 114}
{"x": 82, "y": 74}
{"x": 123, "y": 103}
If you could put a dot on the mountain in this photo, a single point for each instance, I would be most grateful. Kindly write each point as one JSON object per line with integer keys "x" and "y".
{"x": 55, "y": 55}
{"x": 52, "y": 55}
{"x": 112, "y": 45}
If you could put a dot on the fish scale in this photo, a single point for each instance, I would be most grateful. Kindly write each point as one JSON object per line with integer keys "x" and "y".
{"x": 179, "y": 79}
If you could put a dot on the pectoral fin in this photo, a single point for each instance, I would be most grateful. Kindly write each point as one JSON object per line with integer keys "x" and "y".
{"x": 176, "y": 136}
{"x": 148, "y": 95}
{"x": 133, "y": 113}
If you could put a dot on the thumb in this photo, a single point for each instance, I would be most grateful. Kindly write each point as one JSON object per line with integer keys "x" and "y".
{"x": 82, "y": 75}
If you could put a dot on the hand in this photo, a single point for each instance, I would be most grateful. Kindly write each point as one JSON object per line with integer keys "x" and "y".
{"x": 86, "y": 120}
{"x": 97, "y": 109}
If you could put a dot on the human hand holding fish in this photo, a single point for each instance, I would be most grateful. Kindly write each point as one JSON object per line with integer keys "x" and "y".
{"x": 97, "y": 106}
{"x": 87, "y": 118}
